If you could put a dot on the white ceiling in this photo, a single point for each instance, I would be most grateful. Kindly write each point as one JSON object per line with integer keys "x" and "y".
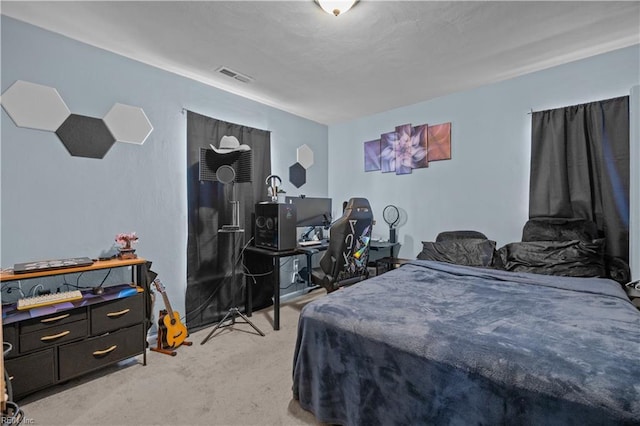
{"x": 378, "y": 56}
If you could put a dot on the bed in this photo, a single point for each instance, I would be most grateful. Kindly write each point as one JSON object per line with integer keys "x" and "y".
{"x": 439, "y": 343}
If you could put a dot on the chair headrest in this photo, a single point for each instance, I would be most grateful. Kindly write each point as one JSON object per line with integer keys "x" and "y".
{"x": 360, "y": 204}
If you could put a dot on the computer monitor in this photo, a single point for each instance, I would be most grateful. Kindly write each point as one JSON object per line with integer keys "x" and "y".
{"x": 311, "y": 211}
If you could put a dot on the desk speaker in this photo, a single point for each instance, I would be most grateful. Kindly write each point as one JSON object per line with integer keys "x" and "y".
{"x": 275, "y": 226}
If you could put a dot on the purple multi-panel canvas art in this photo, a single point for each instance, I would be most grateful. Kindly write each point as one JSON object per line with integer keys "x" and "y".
{"x": 407, "y": 148}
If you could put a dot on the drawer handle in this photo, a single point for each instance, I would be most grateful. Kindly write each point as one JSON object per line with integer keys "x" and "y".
{"x": 54, "y": 336}
{"x": 117, "y": 314}
{"x": 58, "y": 318}
{"x": 105, "y": 351}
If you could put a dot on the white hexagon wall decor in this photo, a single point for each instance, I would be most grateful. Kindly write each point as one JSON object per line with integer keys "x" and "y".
{"x": 305, "y": 156}
{"x": 35, "y": 106}
{"x": 128, "y": 124}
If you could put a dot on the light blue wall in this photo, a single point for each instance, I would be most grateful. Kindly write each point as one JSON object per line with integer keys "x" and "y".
{"x": 485, "y": 185}
{"x": 55, "y": 205}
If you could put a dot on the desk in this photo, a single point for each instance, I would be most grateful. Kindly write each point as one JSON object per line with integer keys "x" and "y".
{"x": 383, "y": 245}
{"x": 393, "y": 262}
{"x": 275, "y": 257}
{"x": 55, "y": 343}
{"x": 308, "y": 251}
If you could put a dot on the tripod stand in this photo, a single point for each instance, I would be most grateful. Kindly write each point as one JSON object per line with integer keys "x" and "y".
{"x": 233, "y": 311}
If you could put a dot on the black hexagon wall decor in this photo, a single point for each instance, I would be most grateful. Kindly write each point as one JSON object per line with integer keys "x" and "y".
{"x": 85, "y": 136}
{"x": 297, "y": 175}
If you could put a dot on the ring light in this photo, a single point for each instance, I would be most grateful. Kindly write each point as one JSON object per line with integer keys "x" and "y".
{"x": 391, "y": 215}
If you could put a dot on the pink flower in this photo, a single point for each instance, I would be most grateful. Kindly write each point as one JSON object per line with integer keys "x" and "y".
{"x": 125, "y": 240}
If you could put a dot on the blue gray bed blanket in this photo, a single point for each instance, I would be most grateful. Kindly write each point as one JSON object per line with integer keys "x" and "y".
{"x": 438, "y": 344}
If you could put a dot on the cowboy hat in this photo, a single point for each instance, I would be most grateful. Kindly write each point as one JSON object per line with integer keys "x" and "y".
{"x": 230, "y": 144}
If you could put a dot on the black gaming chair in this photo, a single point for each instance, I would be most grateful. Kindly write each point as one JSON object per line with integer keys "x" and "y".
{"x": 345, "y": 260}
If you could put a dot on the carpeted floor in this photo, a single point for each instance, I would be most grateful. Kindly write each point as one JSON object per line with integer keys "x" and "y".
{"x": 237, "y": 378}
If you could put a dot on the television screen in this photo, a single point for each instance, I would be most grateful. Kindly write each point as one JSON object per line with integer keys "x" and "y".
{"x": 311, "y": 211}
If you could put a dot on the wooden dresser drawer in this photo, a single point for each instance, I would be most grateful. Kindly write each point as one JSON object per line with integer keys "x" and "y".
{"x": 117, "y": 314}
{"x": 53, "y": 335}
{"x": 81, "y": 357}
{"x": 52, "y": 320}
{"x": 31, "y": 372}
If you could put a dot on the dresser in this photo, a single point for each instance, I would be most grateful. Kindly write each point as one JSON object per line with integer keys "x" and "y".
{"x": 55, "y": 343}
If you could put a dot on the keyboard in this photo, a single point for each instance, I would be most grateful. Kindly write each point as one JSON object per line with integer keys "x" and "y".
{"x": 309, "y": 243}
{"x": 48, "y": 299}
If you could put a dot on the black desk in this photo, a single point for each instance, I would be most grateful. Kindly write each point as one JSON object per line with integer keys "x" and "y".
{"x": 383, "y": 245}
{"x": 393, "y": 262}
{"x": 309, "y": 251}
{"x": 275, "y": 261}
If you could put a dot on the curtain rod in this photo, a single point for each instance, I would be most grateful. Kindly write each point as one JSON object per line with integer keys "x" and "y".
{"x": 579, "y": 105}
{"x": 184, "y": 110}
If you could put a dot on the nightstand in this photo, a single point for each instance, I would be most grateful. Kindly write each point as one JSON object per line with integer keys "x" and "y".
{"x": 388, "y": 263}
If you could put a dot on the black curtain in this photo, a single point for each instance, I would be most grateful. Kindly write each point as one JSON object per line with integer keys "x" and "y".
{"x": 580, "y": 168}
{"x": 210, "y": 287}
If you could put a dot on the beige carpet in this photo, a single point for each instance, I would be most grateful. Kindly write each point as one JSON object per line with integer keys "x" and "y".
{"x": 236, "y": 378}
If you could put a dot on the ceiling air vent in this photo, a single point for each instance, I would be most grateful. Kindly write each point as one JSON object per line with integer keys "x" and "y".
{"x": 234, "y": 74}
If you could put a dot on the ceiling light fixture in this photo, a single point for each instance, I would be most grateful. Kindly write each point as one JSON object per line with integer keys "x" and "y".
{"x": 336, "y": 7}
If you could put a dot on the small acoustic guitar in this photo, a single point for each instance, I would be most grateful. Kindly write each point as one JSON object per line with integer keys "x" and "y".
{"x": 171, "y": 330}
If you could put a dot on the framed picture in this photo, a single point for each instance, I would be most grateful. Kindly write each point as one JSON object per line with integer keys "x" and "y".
{"x": 439, "y": 142}
{"x": 419, "y": 147}
{"x": 388, "y": 152}
{"x": 372, "y": 155}
{"x": 404, "y": 159}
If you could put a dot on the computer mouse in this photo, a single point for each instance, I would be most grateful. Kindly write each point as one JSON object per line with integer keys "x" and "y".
{"x": 98, "y": 290}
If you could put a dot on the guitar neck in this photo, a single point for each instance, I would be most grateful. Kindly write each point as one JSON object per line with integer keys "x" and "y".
{"x": 167, "y": 304}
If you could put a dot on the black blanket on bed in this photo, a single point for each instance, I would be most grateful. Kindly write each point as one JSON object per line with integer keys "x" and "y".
{"x": 433, "y": 343}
